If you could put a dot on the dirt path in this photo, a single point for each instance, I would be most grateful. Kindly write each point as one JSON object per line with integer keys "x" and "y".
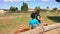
{"x": 10, "y": 17}
{"x": 55, "y": 31}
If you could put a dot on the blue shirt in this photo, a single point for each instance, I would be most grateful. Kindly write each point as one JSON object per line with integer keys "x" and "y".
{"x": 32, "y": 22}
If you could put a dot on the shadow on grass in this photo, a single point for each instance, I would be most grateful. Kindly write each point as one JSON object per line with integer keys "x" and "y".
{"x": 55, "y": 18}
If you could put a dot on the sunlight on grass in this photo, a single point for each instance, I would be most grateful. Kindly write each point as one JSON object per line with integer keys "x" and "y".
{"x": 13, "y": 24}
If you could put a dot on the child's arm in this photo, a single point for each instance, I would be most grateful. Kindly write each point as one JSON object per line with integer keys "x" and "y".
{"x": 37, "y": 22}
{"x": 39, "y": 18}
{"x": 43, "y": 22}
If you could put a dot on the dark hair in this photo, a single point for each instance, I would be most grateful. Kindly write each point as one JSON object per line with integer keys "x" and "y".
{"x": 33, "y": 15}
{"x": 37, "y": 12}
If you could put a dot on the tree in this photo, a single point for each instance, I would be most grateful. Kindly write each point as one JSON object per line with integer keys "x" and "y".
{"x": 12, "y": 9}
{"x": 16, "y": 8}
{"x": 37, "y": 8}
{"x": 47, "y": 8}
{"x": 55, "y": 9}
{"x": 24, "y": 7}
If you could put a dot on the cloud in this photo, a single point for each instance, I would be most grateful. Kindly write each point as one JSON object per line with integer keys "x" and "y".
{"x": 17, "y": 0}
{"x": 45, "y": 0}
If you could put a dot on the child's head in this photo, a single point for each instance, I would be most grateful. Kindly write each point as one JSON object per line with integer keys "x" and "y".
{"x": 33, "y": 15}
{"x": 37, "y": 12}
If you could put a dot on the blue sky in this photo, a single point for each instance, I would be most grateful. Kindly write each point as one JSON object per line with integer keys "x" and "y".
{"x": 5, "y": 4}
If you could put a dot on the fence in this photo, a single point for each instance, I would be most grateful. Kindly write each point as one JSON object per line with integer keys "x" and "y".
{"x": 40, "y": 29}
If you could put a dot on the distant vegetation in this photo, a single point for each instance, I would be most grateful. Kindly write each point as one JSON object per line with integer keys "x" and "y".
{"x": 13, "y": 9}
{"x": 37, "y": 8}
{"x": 24, "y": 7}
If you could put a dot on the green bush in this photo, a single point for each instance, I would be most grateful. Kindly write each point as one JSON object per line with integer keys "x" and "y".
{"x": 13, "y": 9}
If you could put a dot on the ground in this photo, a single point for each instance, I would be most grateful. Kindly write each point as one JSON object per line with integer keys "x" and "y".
{"x": 55, "y": 31}
{"x": 11, "y": 22}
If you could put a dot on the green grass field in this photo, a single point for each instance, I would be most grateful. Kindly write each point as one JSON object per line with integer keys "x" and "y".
{"x": 10, "y": 25}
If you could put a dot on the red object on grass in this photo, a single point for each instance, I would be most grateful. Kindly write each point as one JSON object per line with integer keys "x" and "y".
{"x": 21, "y": 29}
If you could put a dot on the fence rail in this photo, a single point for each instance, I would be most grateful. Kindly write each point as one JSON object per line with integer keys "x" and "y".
{"x": 40, "y": 29}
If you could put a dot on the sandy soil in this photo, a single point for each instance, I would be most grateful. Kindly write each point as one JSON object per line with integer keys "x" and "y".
{"x": 55, "y": 31}
{"x": 10, "y": 17}
{"x": 12, "y": 30}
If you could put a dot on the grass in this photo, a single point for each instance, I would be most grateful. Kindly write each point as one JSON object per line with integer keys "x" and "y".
{"x": 9, "y": 26}
{"x": 46, "y": 19}
{"x": 54, "y": 18}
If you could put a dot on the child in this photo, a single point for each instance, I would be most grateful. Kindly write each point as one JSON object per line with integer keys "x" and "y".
{"x": 37, "y": 15}
{"x": 39, "y": 18}
{"x": 33, "y": 22}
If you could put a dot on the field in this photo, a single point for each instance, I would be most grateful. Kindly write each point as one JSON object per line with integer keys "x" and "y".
{"x": 9, "y": 23}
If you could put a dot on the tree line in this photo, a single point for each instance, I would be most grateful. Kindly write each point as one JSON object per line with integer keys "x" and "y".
{"x": 24, "y": 8}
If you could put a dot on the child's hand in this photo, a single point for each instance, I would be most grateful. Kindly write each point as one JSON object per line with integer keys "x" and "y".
{"x": 44, "y": 24}
{"x": 40, "y": 18}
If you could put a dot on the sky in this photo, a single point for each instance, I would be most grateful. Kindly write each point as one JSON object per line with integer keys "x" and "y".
{"x": 6, "y": 4}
